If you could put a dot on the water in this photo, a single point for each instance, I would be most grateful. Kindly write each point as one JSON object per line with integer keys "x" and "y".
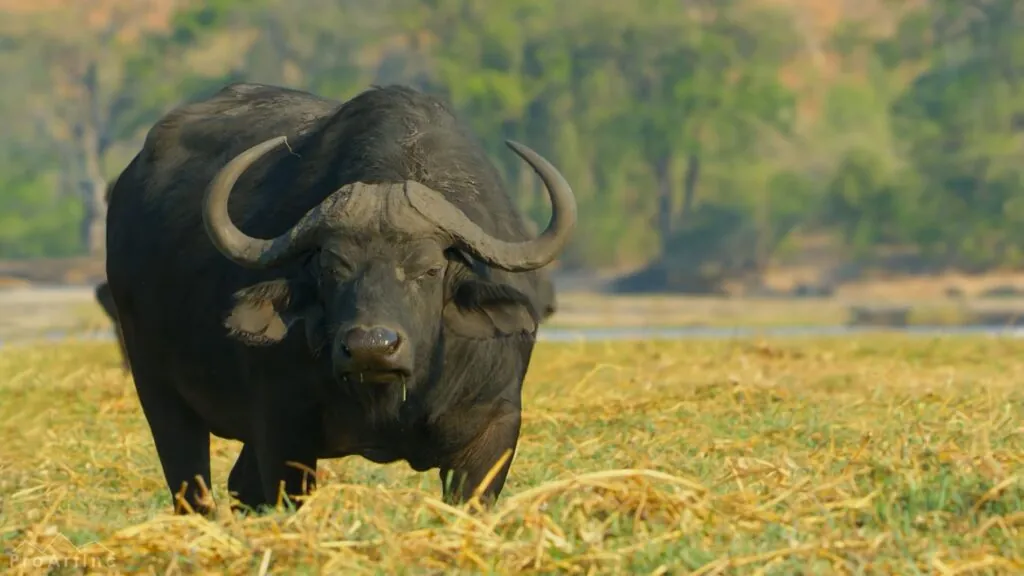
{"x": 66, "y": 294}
{"x": 711, "y": 332}
{"x": 623, "y": 333}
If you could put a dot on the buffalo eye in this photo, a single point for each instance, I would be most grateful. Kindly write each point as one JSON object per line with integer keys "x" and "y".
{"x": 335, "y": 266}
{"x": 432, "y": 272}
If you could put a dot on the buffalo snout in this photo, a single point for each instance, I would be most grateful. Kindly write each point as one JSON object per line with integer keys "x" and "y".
{"x": 373, "y": 350}
{"x": 371, "y": 343}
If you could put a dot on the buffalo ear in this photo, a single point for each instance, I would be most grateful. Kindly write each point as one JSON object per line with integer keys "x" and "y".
{"x": 264, "y": 313}
{"x": 480, "y": 309}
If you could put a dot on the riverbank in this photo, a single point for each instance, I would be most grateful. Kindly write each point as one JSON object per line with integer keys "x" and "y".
{"x": 602, "y": 310}
{"x": 34, "y": 311}
{"x": 42, "y": 296}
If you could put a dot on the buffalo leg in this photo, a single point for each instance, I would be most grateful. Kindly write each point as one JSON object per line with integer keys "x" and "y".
{"x": 182, "y": 439}
{"x": 286, "y": 455}
{"x": 467, "y": 470}
{"x": 244, "y": 481}
{"x": 182, "y": 443}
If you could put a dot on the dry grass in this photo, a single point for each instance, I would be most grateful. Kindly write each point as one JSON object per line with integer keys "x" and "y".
{"x": 872, "y": 456}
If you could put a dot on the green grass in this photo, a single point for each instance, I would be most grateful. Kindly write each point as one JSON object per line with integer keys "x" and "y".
{"x": 880, "y": 455}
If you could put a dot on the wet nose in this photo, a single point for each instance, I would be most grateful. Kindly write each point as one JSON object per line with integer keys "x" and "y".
{"x": 372, "y": 343}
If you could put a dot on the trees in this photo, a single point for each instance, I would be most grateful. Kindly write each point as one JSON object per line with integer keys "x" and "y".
{"x": 72, "y": 61}
{"x": 675, "y": 121}
{"x": 962, "y": 119}
{"x": 640, "y": 106}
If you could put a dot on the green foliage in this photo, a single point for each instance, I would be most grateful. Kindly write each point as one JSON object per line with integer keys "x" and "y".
{"x": 35, "y": 221}
{"x": 672, "y": 120}
{"x": 962, "y": 120}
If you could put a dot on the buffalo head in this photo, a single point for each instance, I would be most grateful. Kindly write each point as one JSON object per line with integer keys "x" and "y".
{"x": 385, "y": 271}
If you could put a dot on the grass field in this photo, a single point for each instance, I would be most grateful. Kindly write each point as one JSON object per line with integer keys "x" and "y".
{"x": 882, "y": 455}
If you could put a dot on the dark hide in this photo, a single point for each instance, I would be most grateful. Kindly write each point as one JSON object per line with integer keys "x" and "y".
{"x": 246, "y": 354}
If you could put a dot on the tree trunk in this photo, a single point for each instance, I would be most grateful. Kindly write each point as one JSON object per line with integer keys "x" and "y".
{"x": 92, "y": 185}
{"x": 690, "y": 181}
{"x": 663, "y": 174}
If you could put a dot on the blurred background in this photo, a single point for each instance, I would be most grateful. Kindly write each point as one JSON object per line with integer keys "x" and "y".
{"x": 751, "y": 161}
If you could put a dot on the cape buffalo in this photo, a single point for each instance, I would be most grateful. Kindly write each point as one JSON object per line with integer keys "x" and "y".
{"x": 545, "y": 301}
{"x": 319, "y": 280}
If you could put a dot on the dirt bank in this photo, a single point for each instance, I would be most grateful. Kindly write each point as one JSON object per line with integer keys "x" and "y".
{"x": 35, "y": 310}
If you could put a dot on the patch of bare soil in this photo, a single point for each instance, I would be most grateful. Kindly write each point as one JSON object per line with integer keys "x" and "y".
{"x": 35, "y": 311}
{"x": 52, "y": 272}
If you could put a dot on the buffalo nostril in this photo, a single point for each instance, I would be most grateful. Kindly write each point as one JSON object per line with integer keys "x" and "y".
{"x": 386, "y": 338}
{"x": 375, "y": 341}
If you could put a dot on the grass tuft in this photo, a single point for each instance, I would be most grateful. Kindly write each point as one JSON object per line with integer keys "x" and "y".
{"x": 881, "y": 455}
